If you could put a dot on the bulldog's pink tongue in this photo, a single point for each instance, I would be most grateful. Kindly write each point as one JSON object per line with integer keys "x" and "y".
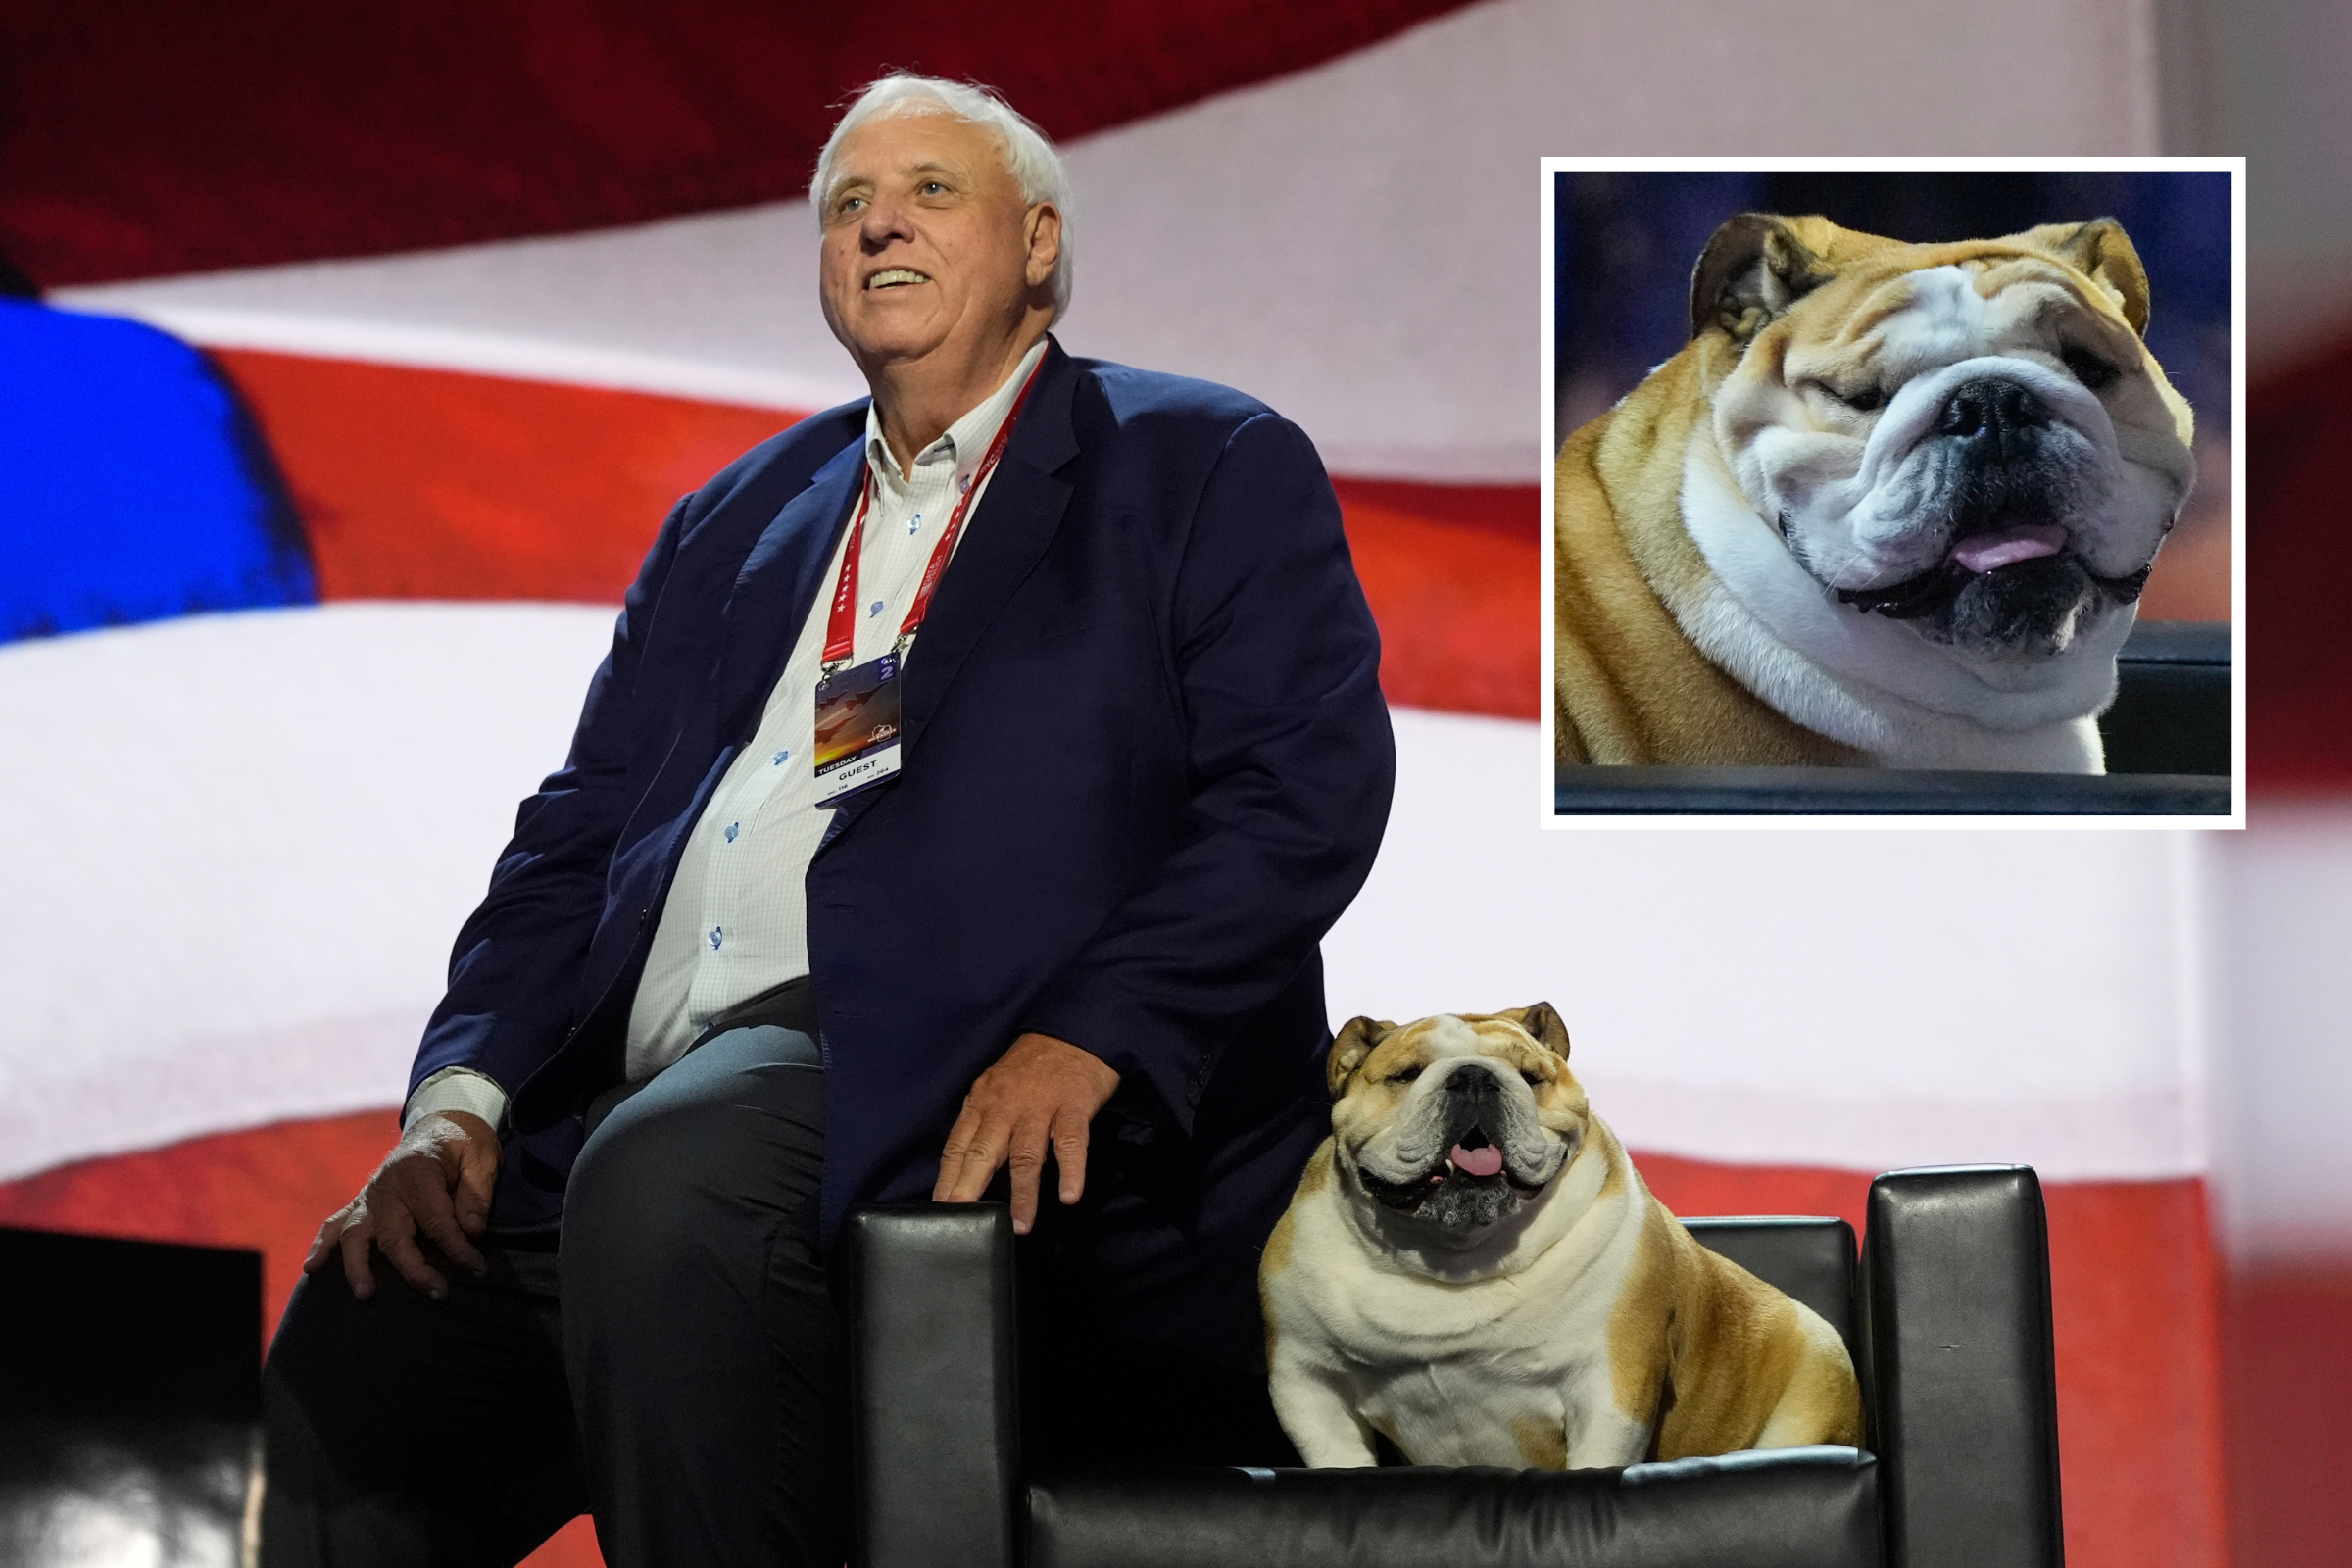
{"x": 1989, "y": 551}
{"x": 1477, "y": 1161}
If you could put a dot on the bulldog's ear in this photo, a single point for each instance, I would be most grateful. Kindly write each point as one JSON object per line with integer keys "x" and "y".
{"x": 1354, "y": 1044}
{"x": 2102, "y": 252}
{"x": 1752, "y": 269}
{"x": 1543, "y": 1022}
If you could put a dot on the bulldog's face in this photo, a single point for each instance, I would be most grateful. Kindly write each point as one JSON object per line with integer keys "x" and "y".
{"x": 1971, "y": 439}
{"x": 1456, "y": 1123}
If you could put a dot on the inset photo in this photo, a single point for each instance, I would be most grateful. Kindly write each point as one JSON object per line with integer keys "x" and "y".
{"x": 1883, "y": 492}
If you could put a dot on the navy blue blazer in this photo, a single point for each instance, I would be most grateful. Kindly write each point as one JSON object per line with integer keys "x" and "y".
{"x": 1146, "y": 765}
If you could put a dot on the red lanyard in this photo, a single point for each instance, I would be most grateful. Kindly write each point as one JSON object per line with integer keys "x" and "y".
{"x": 841, "y": 630}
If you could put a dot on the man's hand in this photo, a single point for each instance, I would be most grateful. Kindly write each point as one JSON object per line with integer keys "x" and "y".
{"x": 450, "y": 1151}
{"x": 1042, "y": 1091}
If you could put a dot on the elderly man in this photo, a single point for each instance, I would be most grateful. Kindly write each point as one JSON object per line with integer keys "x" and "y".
{"x": 973, "y": 774}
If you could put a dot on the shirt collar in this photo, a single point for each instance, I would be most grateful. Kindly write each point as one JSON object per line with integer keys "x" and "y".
{"x": 966, "y": 441}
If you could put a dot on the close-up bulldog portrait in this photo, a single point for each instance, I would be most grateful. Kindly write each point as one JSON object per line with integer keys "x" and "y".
{"x": 1893, "y": 504}
{"x": 1474, "y": 1270}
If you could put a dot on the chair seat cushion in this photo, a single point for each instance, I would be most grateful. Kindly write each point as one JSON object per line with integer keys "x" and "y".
{"x": 1811, "y": 1507}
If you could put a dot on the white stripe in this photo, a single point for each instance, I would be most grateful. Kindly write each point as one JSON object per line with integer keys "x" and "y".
{"x": 1887, "y": 999}
{"x": 238, "y": 847}
{"x": 2281, "y": 922}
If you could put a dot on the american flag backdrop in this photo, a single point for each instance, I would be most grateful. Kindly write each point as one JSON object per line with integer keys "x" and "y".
{"x": 352, "y": 354}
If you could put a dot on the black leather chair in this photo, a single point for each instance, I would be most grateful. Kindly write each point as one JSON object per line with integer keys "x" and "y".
{"x": 129, "y": 1398}
{"x": 2168, "y": 737}
{"x": 1948, "y": 1318}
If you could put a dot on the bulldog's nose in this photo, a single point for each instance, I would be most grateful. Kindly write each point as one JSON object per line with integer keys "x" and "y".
{"x": 1475, "y": 1084}
{"x": 1992, "y": 415}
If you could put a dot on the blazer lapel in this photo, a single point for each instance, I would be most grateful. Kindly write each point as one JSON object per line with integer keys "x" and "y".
{"x": 779, "y": 582}
{"x": 1015, "y": 520}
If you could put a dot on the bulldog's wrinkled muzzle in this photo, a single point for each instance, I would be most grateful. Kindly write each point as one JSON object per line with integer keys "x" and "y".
{"x": 1466, "y": 1182}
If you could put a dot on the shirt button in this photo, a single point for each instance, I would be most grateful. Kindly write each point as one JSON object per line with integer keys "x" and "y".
{"x": 719, "y": 935}
{"x": 781, "y": 759}
{"x": 733, "y": 828}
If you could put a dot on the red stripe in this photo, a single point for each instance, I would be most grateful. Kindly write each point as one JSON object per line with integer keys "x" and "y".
{"x": 2290, "y": 1349}
{"x": 432, "y": 484}
{"x": 145, "y": 139}
{"x": 1451, "y": 577}
{"x": 2131, "y": 1267}
{"x": 2299, "y": 694}
{"x": 1513, "y": 511}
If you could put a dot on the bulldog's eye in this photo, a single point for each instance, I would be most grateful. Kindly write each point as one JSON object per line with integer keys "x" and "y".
{"x": 1868, "y": 400}
{"x": 1404, "y": 1075}
{"x": 2089, "y": 368}
{"x": 1534, "y": 1079}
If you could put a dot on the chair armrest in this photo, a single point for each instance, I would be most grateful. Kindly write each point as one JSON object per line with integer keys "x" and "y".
{"x": 934, "y": 1406}
{"x": 1958, "y": 1297}
{"x": 2172, "y": 706}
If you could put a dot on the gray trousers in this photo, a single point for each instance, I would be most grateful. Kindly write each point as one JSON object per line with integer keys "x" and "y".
{"x": 677, "y": 1366}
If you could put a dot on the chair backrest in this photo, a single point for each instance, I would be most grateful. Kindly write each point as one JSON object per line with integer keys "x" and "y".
{"x": 129, "y": 1391}
{"x": 106, "y": 1329}
{"x": 1812, "y": 1260}
{"x": 2171, "y": 712}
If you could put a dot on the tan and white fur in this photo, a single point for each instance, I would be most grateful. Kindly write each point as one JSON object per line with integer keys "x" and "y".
{"x": 1893, "y": 504}
{"x": 1540, "y": 1310}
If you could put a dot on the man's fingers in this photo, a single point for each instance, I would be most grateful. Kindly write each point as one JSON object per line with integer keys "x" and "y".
{"x": 355, "y": 1240}
{"x": 1069, "y": 1153}
{"x": 439, "y": 1221}
{"x": 975, "y": 1167}
{"x": 475, "y": 1176}
{"x": 951, "y": 1156}
{"x": 1040, "y": 1094}
{"x": 423, "y": 1199}
{"x": 439, "y": 1177}
{"x": 474, "y": 1186}
{"x": 322, "y": 1244}
{"x": 1025, "y": 1155}
{"x": 397, "y": 1241}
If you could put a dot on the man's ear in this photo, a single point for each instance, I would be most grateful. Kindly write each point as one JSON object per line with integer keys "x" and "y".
{"x": 1543, "y": 1022}
{"x": 1041, "y": 227}
{"x": 1354, "y": 1042}
{"x": 2102, "y": 252}
{"x": 1752, "y": 269}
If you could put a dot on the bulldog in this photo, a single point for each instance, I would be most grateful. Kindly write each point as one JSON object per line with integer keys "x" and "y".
{"x": 1893, "y": 504}
{"x": 1474, "y": 1269}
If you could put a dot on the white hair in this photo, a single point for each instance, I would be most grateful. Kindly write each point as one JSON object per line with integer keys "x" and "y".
{"x": 1029, "y": 158}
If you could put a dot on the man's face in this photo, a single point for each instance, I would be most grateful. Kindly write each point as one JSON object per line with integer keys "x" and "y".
{"x": 927, "y": 243}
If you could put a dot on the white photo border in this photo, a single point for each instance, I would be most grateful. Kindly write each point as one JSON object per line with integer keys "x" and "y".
{"x": 1546, "y": 392}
